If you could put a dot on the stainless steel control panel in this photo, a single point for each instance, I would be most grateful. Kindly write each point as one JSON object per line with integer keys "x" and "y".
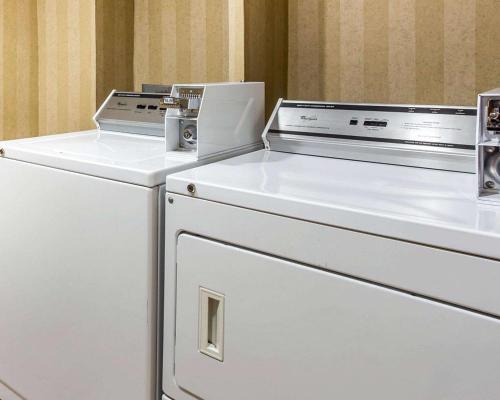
{"x": 141, "y": 113}
{"x": 439, "y": 137}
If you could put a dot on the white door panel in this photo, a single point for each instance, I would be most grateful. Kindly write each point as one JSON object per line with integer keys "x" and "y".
{"x": 293, "y": 332}
{"x": 77, "y": 280}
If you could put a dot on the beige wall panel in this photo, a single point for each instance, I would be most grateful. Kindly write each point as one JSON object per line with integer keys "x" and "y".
{"x": 217, "y": 40}
{"x": 429, "y": 51}
{"x": 266, "y": 46}
{"x": 66, "y": 33}
{"x": 236, "y": 40}
{"x": 188, "y": 41}
{"x": 352, "y": 62}
{"x": 408, "y": 51}
{"x": 168, "y": 44}
{"x": 459, "y": 51}
{"x": 198, "y": 51}
{"x": 141, "y": 42}
{"x": 18, "y": 69}
{"x": 376, "y": 51}
{"x": 487, "y": 45}
{"x": 114, "y": 47}
{"x": 306, "y": 28}
{"x": 402, "y": 75}
{"x": 183, "y": 51}
{"x": 88, "y": 51}
{"x": 330, "y": 85}
{"x": 3, "y": 68}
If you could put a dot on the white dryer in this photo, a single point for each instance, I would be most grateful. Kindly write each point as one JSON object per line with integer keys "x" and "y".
{"x": 81, "y": 228}
{"x": 348, "y": 260}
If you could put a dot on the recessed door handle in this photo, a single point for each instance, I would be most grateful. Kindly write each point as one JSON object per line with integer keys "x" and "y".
{"x": 211, "y": 324}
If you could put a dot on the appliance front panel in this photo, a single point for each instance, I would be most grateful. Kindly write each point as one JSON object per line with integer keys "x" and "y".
{"x": 291, "y": 331}
{"x": 77, "y": 286}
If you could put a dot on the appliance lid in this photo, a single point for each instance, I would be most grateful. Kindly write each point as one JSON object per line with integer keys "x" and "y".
{"x": 437, "y": 137}
{"x": 432, "y": 207}
{"x": 136, "y": 159}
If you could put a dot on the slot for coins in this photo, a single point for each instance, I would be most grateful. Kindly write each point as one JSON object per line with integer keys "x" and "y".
{"x": 211, "y": 324}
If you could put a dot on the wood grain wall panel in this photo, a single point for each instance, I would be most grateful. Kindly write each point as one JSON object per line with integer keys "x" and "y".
{"x": 114, "y": 47}
{"x": 187, "y": 41}
{"x": 67, "y": 65}
{"x": 404, "y": 51}
{"x": 18, "y": 69}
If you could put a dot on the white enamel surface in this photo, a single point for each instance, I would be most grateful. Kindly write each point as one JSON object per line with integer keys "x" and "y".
{"x": 433, "y": 207}
{"x": 137, "y": 159}
{"x": 77, "y": 285}
{"x": 294, "y": 332}
{"x": 452, "y": 277}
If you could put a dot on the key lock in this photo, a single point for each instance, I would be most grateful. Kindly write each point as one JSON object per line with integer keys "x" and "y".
{"x": 189, "y": 133}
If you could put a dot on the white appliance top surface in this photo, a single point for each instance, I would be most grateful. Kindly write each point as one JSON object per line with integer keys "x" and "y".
{"x": 137, "y": 159}
{"x": 437, "y": 208}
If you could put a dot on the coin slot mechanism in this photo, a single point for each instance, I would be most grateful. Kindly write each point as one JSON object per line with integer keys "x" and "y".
{"x": 493, "y": 118}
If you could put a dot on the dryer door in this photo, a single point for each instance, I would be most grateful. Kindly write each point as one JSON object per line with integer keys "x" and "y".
{"x": 251, "y": 326}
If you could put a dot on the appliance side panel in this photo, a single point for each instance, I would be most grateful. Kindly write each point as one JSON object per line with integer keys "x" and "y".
{"x": 290, "y": 331}
{"x": 77, "y": 294}
{"x": 160, "y": 282}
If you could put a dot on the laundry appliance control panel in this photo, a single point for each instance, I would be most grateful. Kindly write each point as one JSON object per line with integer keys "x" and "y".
{"x": 133, "y": 112}
{"x": 437, "y": 137}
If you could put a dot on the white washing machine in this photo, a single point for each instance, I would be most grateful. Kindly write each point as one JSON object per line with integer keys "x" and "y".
{"x": 80, "y": 238}
{"x": 348, "y": 260}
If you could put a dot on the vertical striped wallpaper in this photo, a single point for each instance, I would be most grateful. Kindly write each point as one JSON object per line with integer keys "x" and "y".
{"x": 67, "y": 63}
{"x": 398, "y": 51}
{"x": 266, "y": 46}
{"x": 188, "y": 41}
{"x": 114, "y": 47}
{"x": 58, "y": 60}
{"x": 18, "y": 69}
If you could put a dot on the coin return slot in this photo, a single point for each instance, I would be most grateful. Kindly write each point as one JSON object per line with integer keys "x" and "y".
{"x": 211, "y": 324}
